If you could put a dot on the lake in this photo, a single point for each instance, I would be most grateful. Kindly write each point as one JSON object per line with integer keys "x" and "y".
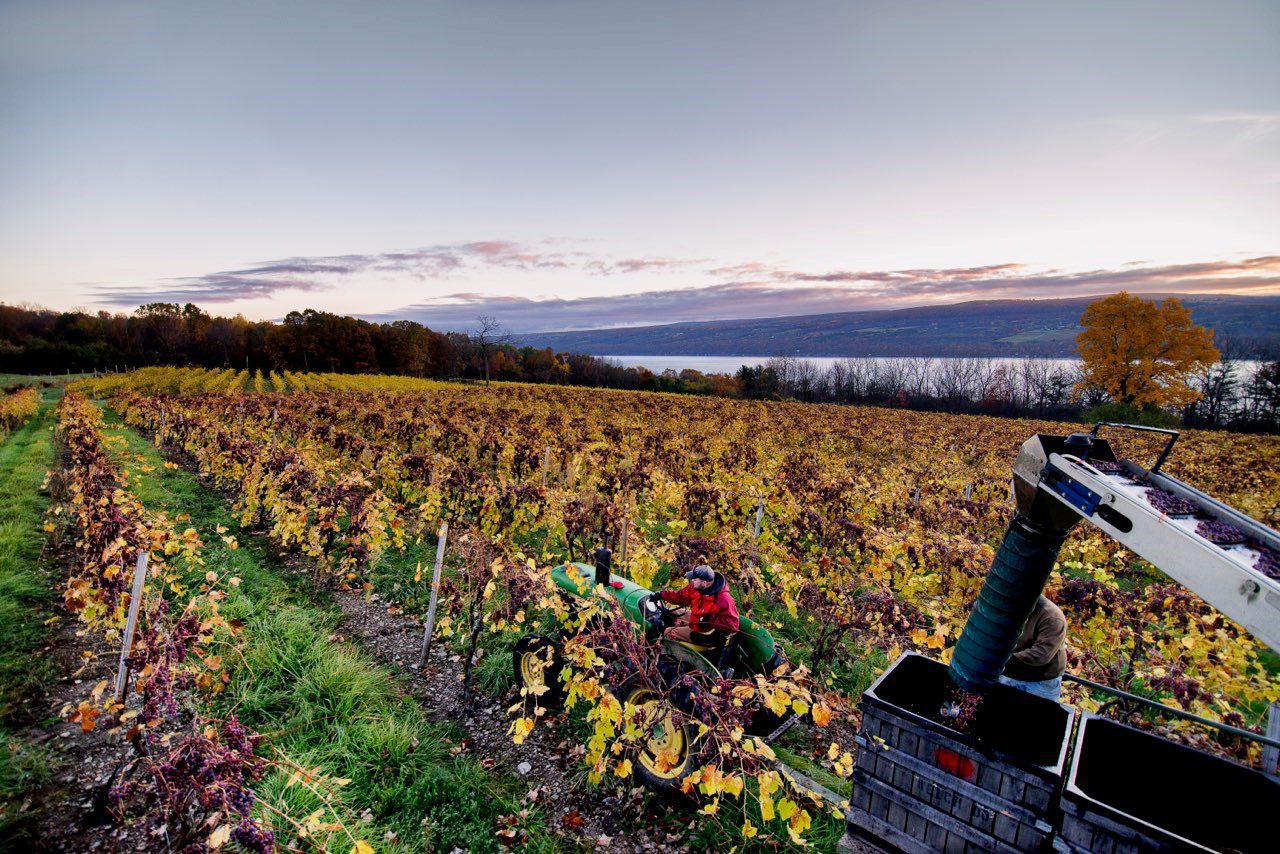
{"x": 730, "y": 364}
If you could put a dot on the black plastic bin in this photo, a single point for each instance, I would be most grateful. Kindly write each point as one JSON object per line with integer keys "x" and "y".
{"x": 1130, "y": 791}
{"x": 921, "y": 786}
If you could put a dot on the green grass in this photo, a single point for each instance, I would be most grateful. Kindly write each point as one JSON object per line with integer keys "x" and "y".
{"x": 331, "y": 705}
{"x": 25, "y": 593}
{"x": 7, "y": 380}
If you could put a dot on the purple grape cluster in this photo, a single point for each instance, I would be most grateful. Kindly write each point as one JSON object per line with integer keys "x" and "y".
{"x": 1268, "y": 562}
{"x": 1184, "y": 689}
{"x": 1166, "y": 502}
{"x": 252, "y": 836}
{"x": 1220, "y": 533}
{"x": 1109, "y": 467}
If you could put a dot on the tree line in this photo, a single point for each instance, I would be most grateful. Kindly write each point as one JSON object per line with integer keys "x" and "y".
{"x": 1167, "y": 370}
{"x": 1229, "y": 393}
{"x": 43, "y": 341}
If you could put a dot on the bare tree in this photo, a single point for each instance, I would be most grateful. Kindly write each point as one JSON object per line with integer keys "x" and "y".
{"x": 489, "y": 335}
{"x": 958, "y": 380}
{"x": 835, "y": 381}
{"x": 889, "y": 377}
{"x": 805, "y": 379}
{"x": 858, "y": 377}
{"x": 784, "y": 370}
{"x": 1219, "y": 387}
{"x": 918, "y": 376}
{"x": 1044, "y": 385}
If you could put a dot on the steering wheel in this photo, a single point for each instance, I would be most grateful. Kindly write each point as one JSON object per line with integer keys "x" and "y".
{"x": 657, "y": 612}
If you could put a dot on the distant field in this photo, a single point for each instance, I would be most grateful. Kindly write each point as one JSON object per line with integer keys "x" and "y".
{"x": 1063, "y": 336}
{"x": 7, "y": 380}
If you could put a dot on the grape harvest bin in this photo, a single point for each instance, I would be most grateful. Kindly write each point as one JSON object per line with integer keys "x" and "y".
{"x": 921, "y": 786}
{"x": 1129, "y": 791}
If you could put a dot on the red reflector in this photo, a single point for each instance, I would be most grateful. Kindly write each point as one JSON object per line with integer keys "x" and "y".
{"x": 953, "y": 763}
{"x": 616, "y": 585}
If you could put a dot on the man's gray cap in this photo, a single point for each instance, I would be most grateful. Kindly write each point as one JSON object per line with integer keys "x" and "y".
{"x": 702, "y": 571}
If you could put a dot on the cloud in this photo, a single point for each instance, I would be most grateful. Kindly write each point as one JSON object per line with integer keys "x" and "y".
{"x": 641, "y": 265}
{"x": 321, "y": 273}
{"x": 214, "y": 288}
{"x": 778, "y": 292}
{"x": 737, "y": 290}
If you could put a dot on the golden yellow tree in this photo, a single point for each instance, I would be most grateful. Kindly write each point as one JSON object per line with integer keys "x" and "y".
{"x": 1140, "y": 353}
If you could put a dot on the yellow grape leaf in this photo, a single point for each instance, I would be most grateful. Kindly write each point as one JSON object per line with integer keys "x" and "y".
{"x": 777, "y": 702}
{"x": 822, "y": 714}
{"x": 361, "y": 847}
{"x": 219, "y": 837}
{"x": 521, "y": 728}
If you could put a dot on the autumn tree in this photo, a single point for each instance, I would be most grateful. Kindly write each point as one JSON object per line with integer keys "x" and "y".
{"x": 1142, "y": 354}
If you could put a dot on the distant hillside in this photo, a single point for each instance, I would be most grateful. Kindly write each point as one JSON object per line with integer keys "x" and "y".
{"x": 981, "y": 328}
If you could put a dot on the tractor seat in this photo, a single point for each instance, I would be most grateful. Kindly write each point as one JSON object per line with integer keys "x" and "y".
{"x": 701, "y": 647}
{"x": 719, "y": 651}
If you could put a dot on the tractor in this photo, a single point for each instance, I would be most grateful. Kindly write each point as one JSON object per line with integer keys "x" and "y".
{"x": 751, "y": 651}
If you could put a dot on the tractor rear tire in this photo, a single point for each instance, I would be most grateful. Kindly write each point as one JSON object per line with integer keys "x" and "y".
{"x": 536, "y": 664}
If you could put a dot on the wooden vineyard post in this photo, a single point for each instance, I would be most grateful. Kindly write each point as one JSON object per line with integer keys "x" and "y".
{"x": 546, "y": 463}
{"x": 135, "y": 601}
{"x": 1271, "y": 755}
{"x": 755, "y": 534}
{"x": 435, "y": 593}
{"x": 622, "y": 550}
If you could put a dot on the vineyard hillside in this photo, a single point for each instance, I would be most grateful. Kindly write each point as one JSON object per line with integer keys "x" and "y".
{"x": 850, "y": 535}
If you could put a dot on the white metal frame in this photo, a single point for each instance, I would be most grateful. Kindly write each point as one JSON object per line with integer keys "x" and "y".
{"x": 1222, "y": 576}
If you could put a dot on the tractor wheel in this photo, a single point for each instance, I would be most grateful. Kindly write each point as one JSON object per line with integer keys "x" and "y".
{"x": 536, "y": 666}
{"x": 668, "y": 755}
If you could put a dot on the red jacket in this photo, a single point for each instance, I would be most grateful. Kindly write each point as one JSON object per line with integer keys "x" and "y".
{"x": 709, "y": 609}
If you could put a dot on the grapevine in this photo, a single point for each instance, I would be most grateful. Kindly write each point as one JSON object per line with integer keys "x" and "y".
{"x": 878, "y": 525}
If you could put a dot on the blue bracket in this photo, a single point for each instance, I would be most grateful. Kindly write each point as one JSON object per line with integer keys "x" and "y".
{"x": 1076, "y": 494}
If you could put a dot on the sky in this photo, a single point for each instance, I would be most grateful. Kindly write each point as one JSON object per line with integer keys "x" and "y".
{"x": 560, "y": 164}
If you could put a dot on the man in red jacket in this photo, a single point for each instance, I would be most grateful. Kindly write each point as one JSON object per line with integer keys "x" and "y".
{"x": 712, "y": 616}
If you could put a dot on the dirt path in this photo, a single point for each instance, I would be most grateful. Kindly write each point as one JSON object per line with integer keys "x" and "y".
{"x": 73, "y": 812}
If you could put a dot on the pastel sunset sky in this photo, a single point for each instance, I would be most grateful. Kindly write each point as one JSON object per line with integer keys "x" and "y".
{"x": 580, "y": 163}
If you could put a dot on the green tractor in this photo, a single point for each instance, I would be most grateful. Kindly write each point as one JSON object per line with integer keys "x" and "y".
{"x": 751, "y": 651}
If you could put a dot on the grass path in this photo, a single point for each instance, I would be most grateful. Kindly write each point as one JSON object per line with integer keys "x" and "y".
{"x": 328, "y": 704}
{"x": 25, "y": 593}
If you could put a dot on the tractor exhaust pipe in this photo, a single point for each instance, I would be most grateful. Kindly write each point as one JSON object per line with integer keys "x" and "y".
{"x": 604, "y": 565}
{"x": 1022, "y": 563}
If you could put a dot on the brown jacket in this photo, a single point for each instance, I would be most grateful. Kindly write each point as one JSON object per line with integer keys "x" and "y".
{"x": 1041, "y": 651}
